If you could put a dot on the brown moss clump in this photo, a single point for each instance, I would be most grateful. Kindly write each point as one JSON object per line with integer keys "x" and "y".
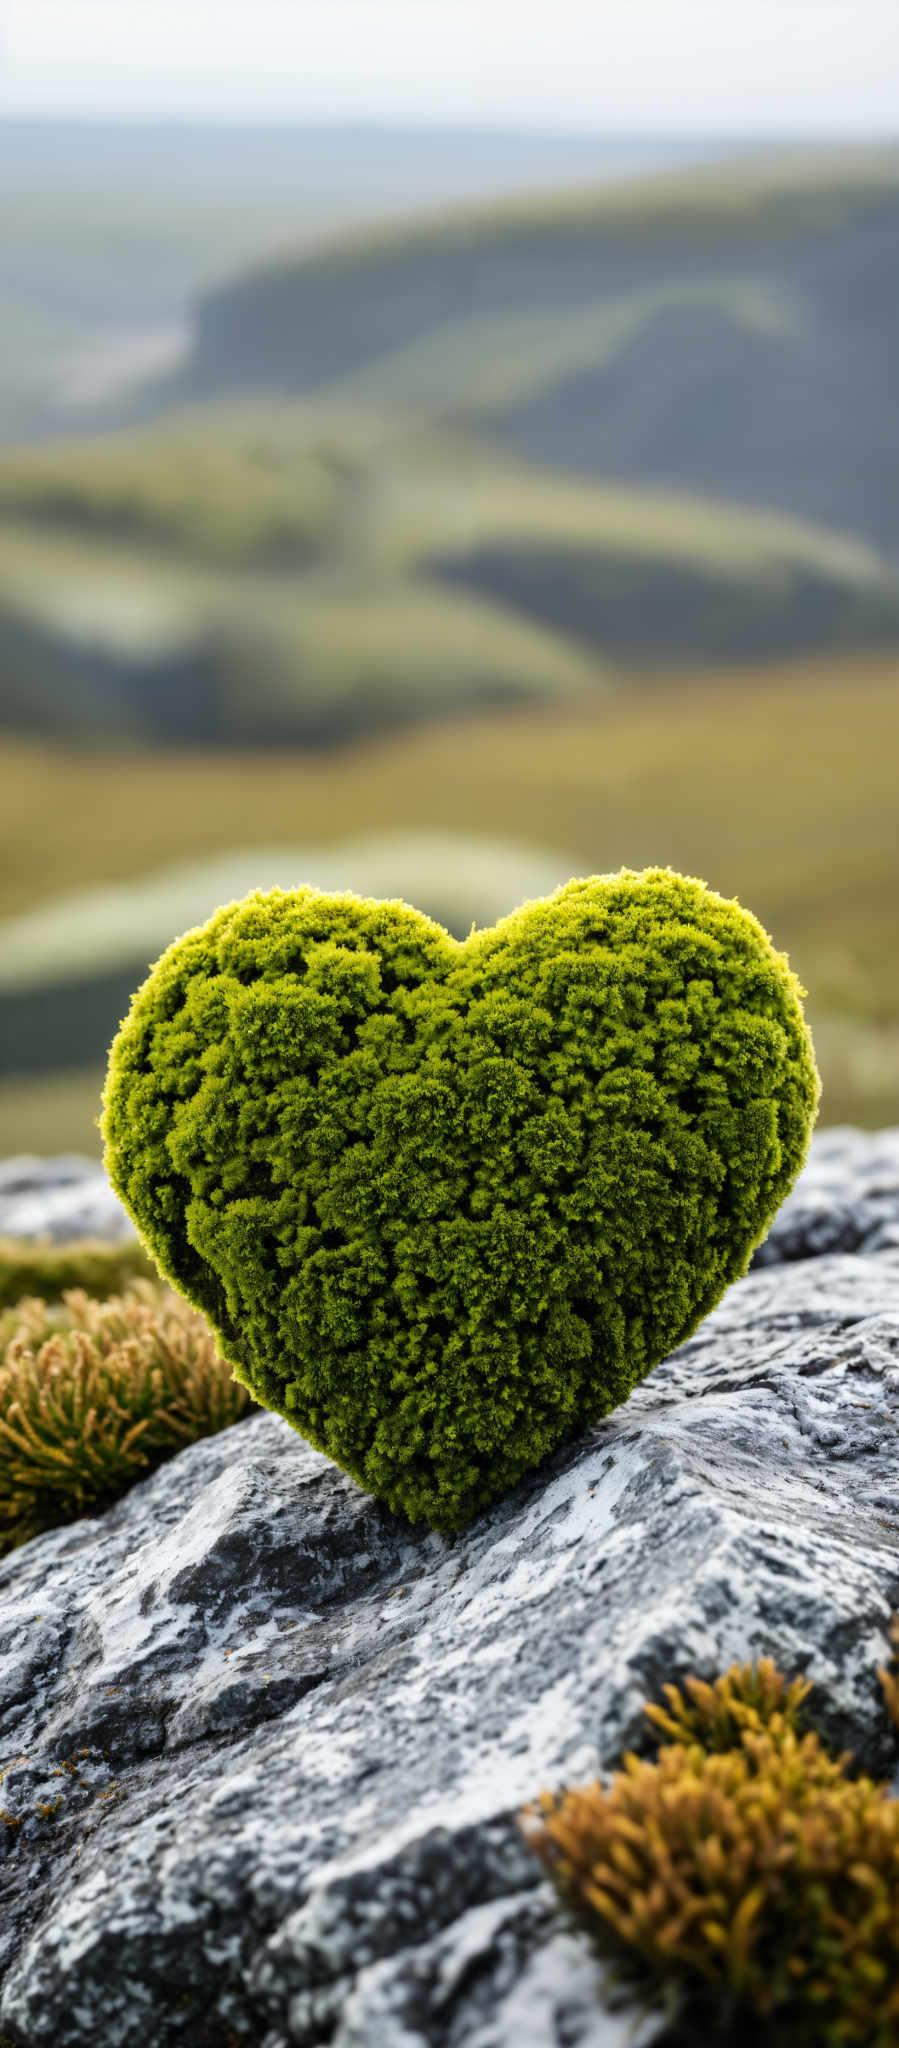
{"x": 94, "y": 1394}
{"x": 748, "y": 1698}
{"x": 741, "y": 1881}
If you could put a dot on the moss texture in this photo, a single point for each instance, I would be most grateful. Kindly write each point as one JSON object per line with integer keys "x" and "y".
{"x": 446, "y": 1202}
{"x": 743, "y": 1882}
{"x": 95, "y": 1394}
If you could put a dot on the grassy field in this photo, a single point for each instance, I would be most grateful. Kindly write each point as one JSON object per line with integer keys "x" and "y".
{"x": 99, "y": 642}
{"x": 782, "y": 793}
{"x": 234, "y": 496}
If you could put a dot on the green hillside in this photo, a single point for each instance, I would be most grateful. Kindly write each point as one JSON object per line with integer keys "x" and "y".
{"x": 306, "y": 573}
{"x": 230, "y": 496}
{"x": 731, "y": 329}
{"x": 109, "y": 229}
{"x": 249, "y": 331}
{"x": 562, "y": 533}
{"x": 154, "y": 627}
{"x": 504, "y": 456}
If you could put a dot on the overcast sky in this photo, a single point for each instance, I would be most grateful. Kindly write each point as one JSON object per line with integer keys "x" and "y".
{"x": 673, "y": 66}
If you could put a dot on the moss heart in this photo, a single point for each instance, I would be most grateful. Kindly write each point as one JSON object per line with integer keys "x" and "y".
{"x": 446, "y": 1202}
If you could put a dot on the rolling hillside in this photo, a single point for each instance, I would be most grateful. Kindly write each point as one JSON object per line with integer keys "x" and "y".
{"x": 731, "y": 330}
{"x": 623, "y": 464}
{"x": 511, "y": 455}
{"x": 110, "y": 229}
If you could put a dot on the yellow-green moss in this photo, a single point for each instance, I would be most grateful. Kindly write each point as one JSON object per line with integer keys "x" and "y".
{"x": 49, "y": 1270}
{"x": 446, "y": 1203}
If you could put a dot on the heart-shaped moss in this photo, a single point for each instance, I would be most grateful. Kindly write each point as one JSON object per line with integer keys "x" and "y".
{"x": 446, "y": 1202}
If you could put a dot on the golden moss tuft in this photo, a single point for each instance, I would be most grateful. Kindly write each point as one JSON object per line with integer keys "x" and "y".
{"x": 94, "y": 1394}
{"x": 741, "y": 1881}
{"x": 748, "y": 1697}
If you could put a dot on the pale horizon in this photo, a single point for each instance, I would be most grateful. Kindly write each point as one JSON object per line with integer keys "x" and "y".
{"x": 679, "y": 69}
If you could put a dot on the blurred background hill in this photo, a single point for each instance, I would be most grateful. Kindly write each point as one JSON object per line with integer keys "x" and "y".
{"x": 441, "y": 516}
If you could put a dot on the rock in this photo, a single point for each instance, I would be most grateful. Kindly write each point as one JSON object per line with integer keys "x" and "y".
{"x": 264, "y": 1745}
{"x": 845, "y": 1200}
{"x": 58, "y": 1199}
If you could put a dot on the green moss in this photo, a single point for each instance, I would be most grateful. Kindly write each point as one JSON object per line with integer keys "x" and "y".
{"x": 51, "y": 1270}
{"x": 446, "y": 1203}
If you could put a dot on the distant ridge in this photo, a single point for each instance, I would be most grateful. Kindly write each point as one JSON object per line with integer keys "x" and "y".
{"x": 731, "y": 186}
{"x": 789, "y": 192}
{"x": 755, "y": 312}
{"x": 110, "y": 230}
{"x": 505, "y": 455}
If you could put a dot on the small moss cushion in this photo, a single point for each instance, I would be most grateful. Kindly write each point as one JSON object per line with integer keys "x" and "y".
{"x": 445, "y": 1202}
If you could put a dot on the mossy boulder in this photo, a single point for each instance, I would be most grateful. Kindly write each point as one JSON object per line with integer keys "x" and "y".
{"x": 446, "y": 1202}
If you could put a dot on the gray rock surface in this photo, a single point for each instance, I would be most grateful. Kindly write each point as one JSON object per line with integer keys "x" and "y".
{"x": 845, "y": 1200}
{"x": 263, "y": 1745}
{"x": 59, "y": 1198}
